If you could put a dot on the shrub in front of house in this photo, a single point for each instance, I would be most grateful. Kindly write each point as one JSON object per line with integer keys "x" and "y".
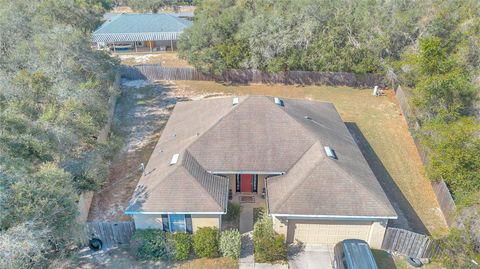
{"x": 233, "y": 212}
{"x": 150, "y": 244}
{"x": 206, "y": 242}
{"x": 230, "y": 243}
{"x": 268, "y": 245}
{"x": 182, "y": 245}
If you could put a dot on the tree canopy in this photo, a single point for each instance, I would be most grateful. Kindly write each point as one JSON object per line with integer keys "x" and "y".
{"x": 54, "y": 92}
{"x": 154, "y": 5}
{"x": 318, "y": 35}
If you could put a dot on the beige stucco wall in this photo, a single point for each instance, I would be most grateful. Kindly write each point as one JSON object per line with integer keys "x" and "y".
{"x": 231, "y": 182}
{"x": 199, "y": 221}
{"x": 280, "y": 225}
{"x": 148, "y": 221}
{"x": 155, "y": 221}
{"x": 377, "y": 233}
{"x": 261, "y": 183}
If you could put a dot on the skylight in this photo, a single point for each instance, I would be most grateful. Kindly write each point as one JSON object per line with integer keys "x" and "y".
{"x": 278, "y": 101}
{"x": 174, "y": 159}
{"x": 330, "y": 153}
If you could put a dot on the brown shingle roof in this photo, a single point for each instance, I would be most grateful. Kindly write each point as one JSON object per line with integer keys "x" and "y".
{"x": 257, "y": 135}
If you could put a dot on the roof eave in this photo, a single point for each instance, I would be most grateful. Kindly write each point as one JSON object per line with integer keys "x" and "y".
{"x": 335, "y": 217}
{"x": 175, "y": 212}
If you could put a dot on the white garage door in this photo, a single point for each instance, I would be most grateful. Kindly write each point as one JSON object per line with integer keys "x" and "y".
{"x": 327, "y": 232}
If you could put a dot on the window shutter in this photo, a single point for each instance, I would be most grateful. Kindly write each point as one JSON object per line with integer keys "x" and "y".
{"x": 165, "y": 222}
{"x": 188, "y": 223}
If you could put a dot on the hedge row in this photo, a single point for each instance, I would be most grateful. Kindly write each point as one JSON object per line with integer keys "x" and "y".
{"x": 207, "y": 242}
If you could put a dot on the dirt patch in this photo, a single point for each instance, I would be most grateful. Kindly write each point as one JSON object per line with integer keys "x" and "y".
{"x": 165, "y": 58}
{"x": 142, "y": 111}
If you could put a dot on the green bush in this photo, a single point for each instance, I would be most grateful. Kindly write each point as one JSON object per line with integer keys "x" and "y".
{"x": 230, "y": 243}
{"x": 268, "y": 245}
{"x": 150, "y": 244}
{"x": 233, "y": 212}
{"x": 182, "y": 243}
{"x": 205, "y": 242}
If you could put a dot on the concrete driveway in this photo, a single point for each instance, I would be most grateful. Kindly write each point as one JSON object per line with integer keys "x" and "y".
{"x": 310, "y": 257}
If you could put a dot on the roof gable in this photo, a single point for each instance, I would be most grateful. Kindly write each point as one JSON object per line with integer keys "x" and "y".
{"x": 324, "y": 189}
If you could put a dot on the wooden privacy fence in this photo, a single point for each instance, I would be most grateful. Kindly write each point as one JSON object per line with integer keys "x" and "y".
{"x": 112, "y": 234}
{"x": 157, "y": 72}
{"x": 443, "y": 195}
{"x": 410, "y": 244}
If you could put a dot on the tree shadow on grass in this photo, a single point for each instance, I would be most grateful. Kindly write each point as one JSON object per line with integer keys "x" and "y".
{"x": 407, "y": 217}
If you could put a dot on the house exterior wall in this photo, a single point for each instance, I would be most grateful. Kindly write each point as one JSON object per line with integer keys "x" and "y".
{"x": 148, "y": 221}
{"x": 231, "y": 182}
{"x": 261, "y": 182}
{"x": 199, "y": 221}
{"x": 377, "y": 233}
{"x": 280, "y": 225}
{"x": 155, "y": 221}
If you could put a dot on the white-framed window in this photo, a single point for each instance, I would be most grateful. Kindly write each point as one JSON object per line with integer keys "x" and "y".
{"x": 177, "y": 223}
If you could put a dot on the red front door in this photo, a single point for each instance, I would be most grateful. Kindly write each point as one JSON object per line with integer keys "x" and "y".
{"x": 246, "y": 183}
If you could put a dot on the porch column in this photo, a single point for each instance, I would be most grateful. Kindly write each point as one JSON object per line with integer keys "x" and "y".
{"x": 171, "y": 44}
{"x": 114, "y": 51}
{"x": 135, "y": 43}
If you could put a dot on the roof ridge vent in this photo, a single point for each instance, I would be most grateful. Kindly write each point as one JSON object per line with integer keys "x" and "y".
{"x": 235, "y": 101}
{"x": 174, "y": 159}
{"x": 278, "y": 101}
{"x": 330, "y": 153}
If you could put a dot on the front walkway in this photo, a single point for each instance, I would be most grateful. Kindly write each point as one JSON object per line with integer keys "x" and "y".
{"x": 246, "y": 229}
{"x": 246, "y": 254}
{"x": 246, "y": 218}
{"x": 247, "y": 260}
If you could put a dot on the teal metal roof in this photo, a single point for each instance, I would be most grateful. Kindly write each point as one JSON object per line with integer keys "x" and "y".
{"x": 140, "y": 27}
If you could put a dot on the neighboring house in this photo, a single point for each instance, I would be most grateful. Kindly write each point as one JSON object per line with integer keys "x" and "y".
{"x": 140, "y": 32}
{"x": 319, "y": 188}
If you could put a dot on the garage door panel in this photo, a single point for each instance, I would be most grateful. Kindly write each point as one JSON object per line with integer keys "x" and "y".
{"x": 327, "y": 232}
